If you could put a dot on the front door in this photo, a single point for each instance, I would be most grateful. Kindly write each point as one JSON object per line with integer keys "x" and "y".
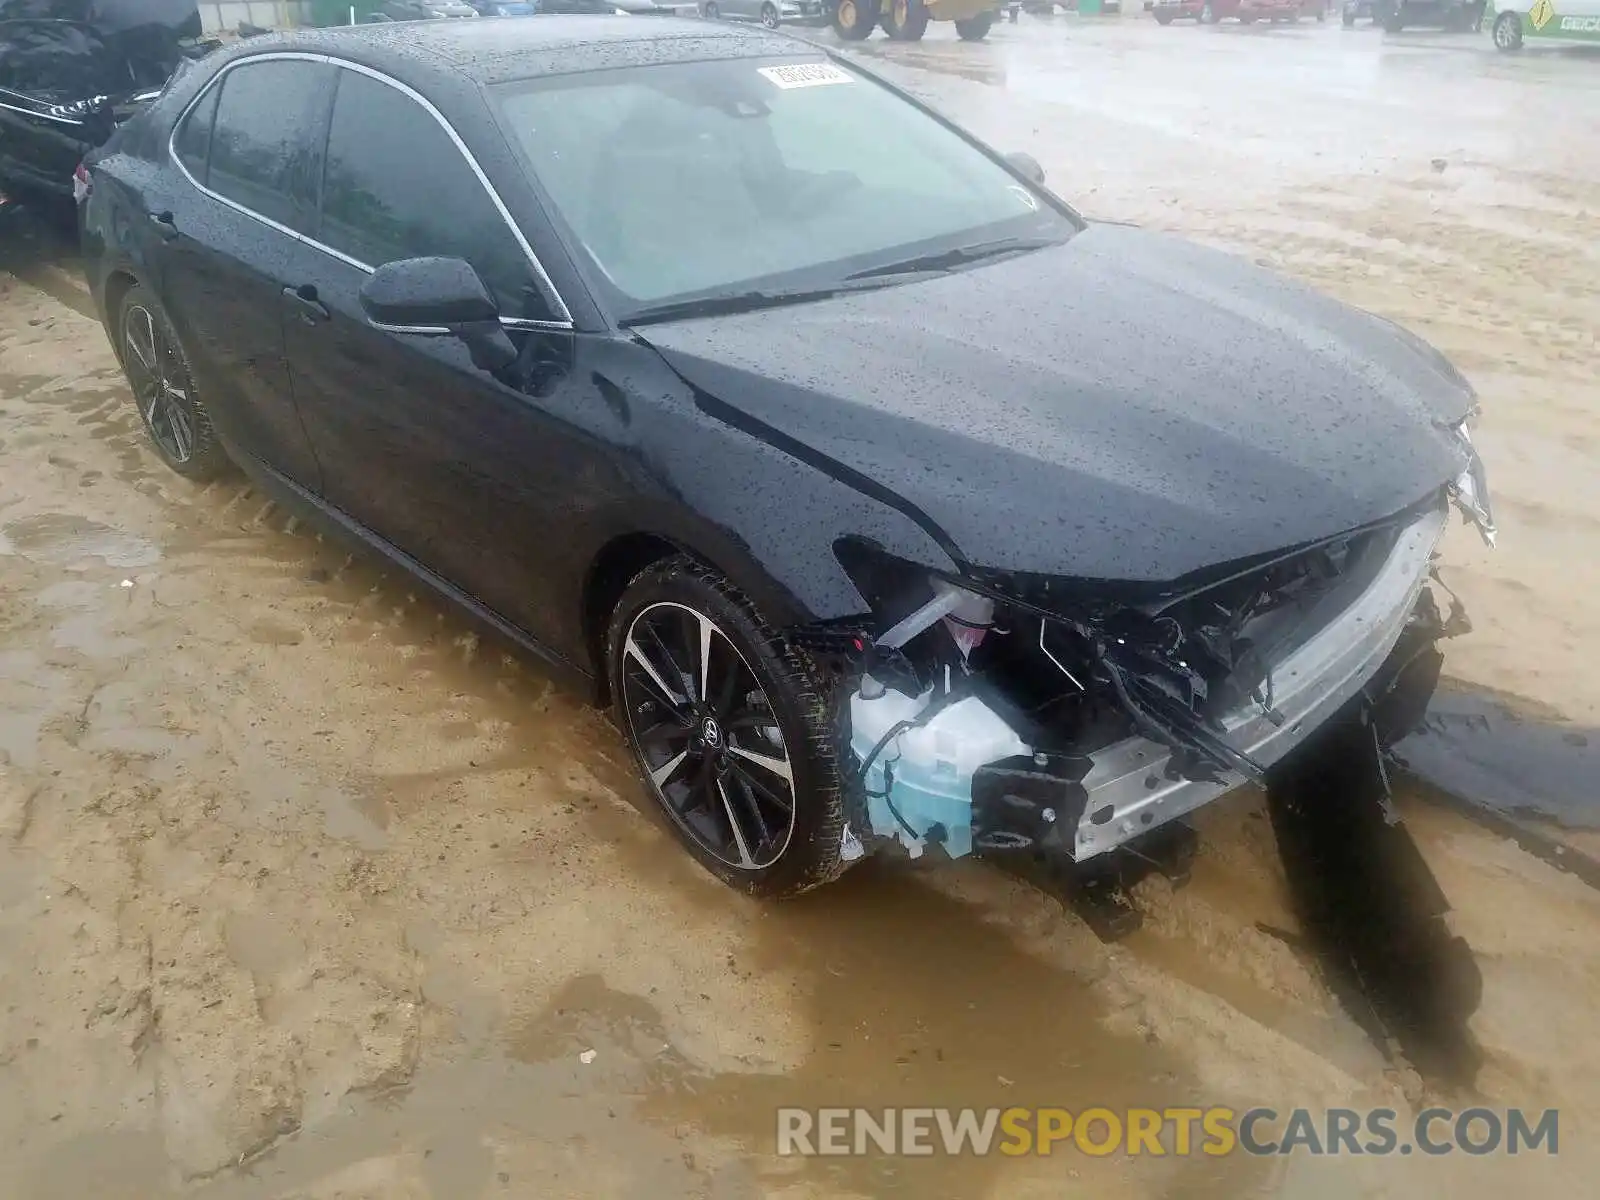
{"x": 461, "y": 471}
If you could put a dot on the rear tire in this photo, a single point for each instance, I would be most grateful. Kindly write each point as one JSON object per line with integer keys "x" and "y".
{"x": 769, "y": 16}
{"x": 1163, "y": 18}
{"x": 1507, "y": 32}
{"x": 905, "y": 20}
{"x": 710, "y": 11}
{"x": 975, "y": 29}
{"x": 731, "y": 728}
{"x": 164, "y": 392}
{"x": 854, "y": 20}
{"x": 1208, "y": 15}
{"x": 1348, "y": 19}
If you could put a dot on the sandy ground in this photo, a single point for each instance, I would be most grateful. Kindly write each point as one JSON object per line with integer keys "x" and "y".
{"x": 306, "y": 893}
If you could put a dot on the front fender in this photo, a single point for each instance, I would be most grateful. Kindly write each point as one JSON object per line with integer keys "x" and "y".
{"x": 762, "y": 515}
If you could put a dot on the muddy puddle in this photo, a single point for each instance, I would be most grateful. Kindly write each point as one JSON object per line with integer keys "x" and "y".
{"x": 1494, "y": 752}
{"x": 596, "y": 1072}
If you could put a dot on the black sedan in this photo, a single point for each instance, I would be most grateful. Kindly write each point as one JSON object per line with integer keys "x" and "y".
{"x": 685, "y": 356}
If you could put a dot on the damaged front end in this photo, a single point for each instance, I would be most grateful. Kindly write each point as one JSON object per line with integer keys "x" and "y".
{"x": 992, "y": 714}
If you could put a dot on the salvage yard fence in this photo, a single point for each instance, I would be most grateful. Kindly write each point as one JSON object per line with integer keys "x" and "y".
{"x": 223, "y": 16}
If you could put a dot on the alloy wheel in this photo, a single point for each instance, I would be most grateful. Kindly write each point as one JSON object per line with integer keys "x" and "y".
{"x": 707, "y": 736}
{"x": 152, "y": 363}
{"x": 769, "y": 16}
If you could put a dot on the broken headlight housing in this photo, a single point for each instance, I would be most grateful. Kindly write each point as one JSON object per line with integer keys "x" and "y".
{"x": 1067, "y": 672}
{"x": 1470, "y": 490}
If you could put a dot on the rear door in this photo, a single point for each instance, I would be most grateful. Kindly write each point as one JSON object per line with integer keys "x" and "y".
{"x": 247, "y": 152}
{"x": 464, "y": 474}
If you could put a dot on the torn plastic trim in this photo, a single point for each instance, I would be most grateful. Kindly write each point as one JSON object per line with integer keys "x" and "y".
{"x": 1132, "y": 786}
{"x": 1470, "y": 490}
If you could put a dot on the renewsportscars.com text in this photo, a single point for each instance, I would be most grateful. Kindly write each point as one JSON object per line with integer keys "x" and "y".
{"x": 1156, "y": 1132}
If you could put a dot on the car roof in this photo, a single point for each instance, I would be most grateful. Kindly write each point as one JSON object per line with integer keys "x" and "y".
{"x": 497, "y": 50}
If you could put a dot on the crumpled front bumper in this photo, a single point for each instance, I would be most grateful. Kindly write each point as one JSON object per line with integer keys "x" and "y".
{"x": 1087, "y": 806}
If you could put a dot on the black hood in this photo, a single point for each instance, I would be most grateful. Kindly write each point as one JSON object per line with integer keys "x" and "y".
{"x": 1123, "y": 406}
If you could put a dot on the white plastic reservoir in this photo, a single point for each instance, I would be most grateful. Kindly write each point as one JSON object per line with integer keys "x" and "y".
{"x": 933, "y": 763}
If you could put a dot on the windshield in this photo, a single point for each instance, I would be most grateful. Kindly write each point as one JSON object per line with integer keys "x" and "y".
{"x": 714, "y": 178}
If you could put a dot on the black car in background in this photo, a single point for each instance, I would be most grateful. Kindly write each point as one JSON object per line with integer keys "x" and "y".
{"x": 681, "y": 354}
{"x": 1397, "y": 15}
{"x": 427, "y": 10}
{"x": 71, "y": 71}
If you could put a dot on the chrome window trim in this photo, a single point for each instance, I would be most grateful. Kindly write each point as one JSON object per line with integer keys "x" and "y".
{"x": 542, "y": 278}
{"x": 36, "y": 112}
{"x": 427, "y": 330}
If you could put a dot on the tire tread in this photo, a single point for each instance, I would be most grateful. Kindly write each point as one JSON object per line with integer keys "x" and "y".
{"x": 802, "y": 867}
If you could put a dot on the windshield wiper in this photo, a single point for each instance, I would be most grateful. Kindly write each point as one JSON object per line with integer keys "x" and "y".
{"x": 741, "y": 302}
{"x": 949, "y": 260}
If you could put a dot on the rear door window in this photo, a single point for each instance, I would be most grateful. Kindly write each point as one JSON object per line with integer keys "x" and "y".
{"x": 262, "y": 137}
{"x": 193, "y": 142}
{"x": 395, "y": 185}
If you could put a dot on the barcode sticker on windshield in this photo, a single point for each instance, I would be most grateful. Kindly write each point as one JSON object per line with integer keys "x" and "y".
{"x": 798, "y": 75}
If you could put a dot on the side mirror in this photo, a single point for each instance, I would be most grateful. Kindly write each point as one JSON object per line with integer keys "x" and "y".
{"x": 432, "y": 295}
{"x": 438, "y": 297}
{"x": 1027, "y": 165}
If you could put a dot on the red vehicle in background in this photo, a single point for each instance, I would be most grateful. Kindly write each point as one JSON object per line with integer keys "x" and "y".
{"x": 1209, "y": 12}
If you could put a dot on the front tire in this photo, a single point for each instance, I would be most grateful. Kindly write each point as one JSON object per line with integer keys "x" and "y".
{"x": 1507, "y": 32}
{"x": 731, "y": 729}
{"x": 975, "y": 29}
{"x": 175, "y": 418}
{"x": 905, "y": 20}
{"x": 1163, "y": 18}
{"x": 854, "y": 20}
{"x": 710, "y": 11}
{"x": 769, "y": 16}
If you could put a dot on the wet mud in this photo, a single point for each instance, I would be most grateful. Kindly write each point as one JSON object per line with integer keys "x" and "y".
{"x": 309, "y": 891}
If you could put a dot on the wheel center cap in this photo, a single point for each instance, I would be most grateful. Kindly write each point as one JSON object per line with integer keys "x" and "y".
{"x": 711, "y": 733}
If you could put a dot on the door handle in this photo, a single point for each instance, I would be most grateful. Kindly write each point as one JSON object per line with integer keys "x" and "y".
{"x": 303, "y": 300}
{"x": 165, "y": 225}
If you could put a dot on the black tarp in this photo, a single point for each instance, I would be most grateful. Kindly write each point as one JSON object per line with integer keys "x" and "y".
{"x": 63, "y": 51}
